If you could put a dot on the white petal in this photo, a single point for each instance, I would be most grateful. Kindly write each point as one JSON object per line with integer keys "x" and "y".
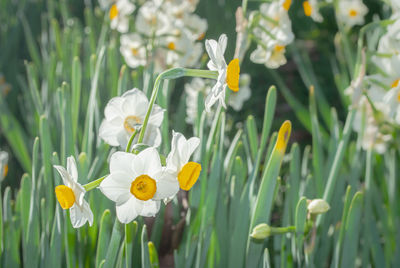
{"x": 80, "y": 215}
{"x": 157, "y": 116}
{"x": 149, "y": 208}
{"x": 122, "y": 162}
{"x": 109, "y": 132}
{"x": 64, "y": 175}
{"x": 222, "y": 42}
{"x": 71, "y": 168}
{"x": 113, "y": 108}
{"x": 167, "y": 186}
{"x": 126, "y": 212}
{"x": 116, "y": 187}
{"x": 147, "y": 162}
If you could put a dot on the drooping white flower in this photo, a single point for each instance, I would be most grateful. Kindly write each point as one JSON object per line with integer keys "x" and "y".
{"x": 137, "y": 183}
{"x": 133, "y": 48}
{"x": 311, "y": 9}
{"x": 71, "y": 195}
{"x": 228, "y": 75}
{"x": 236, "y": 99}
{"x": 123, "y": 116}
{"x": 178, "y": 163}
{"x": 3, "y": 165}
{"x": 119, "y": 15}
{"x": 352, "y": 12}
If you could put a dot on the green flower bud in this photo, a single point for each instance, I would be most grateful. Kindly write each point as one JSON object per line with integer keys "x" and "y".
{"x": 318, "y": 206}
{"x": 261, "y": 231}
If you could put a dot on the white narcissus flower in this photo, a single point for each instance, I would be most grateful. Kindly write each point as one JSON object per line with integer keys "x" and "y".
{"x": 71, "y": 195}
{"x": 178, "y": 163}
{"x": 125, "y": 114}
{"x": 228, "y": 75}
{"x": 272, "y": 57}
{"x": 137, "y": 183}
{"x": 352, "y": 12}
{"x": 119, "y": 15}
{"x": 311, "y": 9}
{"x": 236, "y": 99}
{"x": 151, "y": 20}
{"x": 3, "y": 165}
{"x": 133, "y": 49}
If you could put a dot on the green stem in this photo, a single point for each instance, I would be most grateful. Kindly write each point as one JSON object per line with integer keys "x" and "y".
{"x": 93, "y": 184}
{"x": 330, "y": 186}
{"x": 128, "y": 147}
{"x": 283, "y": 230}
{"x": 173, "y": 73}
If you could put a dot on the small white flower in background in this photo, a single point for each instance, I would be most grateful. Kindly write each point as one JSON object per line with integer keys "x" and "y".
{"x": 273, "y": 57}
{"x": 227, "y": 75}
{"x": 137, "y": 183}
{"x": 194, "y": 26}
{"x": 151, "y": 20}
{"x": 119, "y": 15}
{"x": 236, "y": 99}
{"x": 352, "y": 12}
{"x": 311, "y": 9}
{"x": 278, "y": 26}
{"x": 196, "y": 87}
{"x": 3, "y": 165}
{"x": 133, "y": 49}
{"x": 125, "y": 114}
{"x": 178, "y": 163}
{"x": 318, "y": 206}
{"x": 71, "y": 195}
{"x": 273, "y": 34}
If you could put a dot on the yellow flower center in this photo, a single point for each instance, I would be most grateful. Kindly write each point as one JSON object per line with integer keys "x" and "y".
{"x": 283, "y": 136}
{"x": 188, "y": 175}
{"x": 201, "y": 36}
{"x": 113, "y": 12}
{"x": 398, "y": 97}
{"x": 135, "y": 51}
{"x": 232, "y": 75}
{"x": 65, "y": 196}
{"x": 353, "y": 12}
{"x": 307, "y": 8}
{"x": 143, "y": 187}
{"x": 395, "y": 83}
{"x": 279, "y": 48}
{"x": 130, "y": 122}
{"x": 5, "y": 171}
{"x": 171, "y": 46}
{"x": 286, "y": 4}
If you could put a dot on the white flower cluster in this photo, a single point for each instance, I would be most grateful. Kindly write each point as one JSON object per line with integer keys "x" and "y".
{"x": 272, "y": 30}
{"x": 378, "y": 110}
{"x": 136, "y": 182}
{"x": 165, "y": 33}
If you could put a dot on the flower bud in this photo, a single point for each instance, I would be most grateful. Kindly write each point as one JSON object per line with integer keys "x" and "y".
{"x": 318, "y": 206}
{"x": 261, "y": 231}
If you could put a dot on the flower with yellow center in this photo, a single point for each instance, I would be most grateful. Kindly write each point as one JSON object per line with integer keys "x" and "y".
{"x": 125, "y": 114}
{"x": 311, "y": 10}
{"x": 71, "y": 195}
{"x": 119, "y": 15}
{"x": 178, "y": 163}
{"x": 352, "y": 12}
{"x": 228, "y": 75}
{"x": 133, "y": 48}
{"x": 137, "y": 183}
{"x": 3, "y": 165}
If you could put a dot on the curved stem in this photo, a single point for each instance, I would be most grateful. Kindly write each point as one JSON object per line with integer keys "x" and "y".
{"x": 93, "y": 184}
{"x": 171, "y": 74}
